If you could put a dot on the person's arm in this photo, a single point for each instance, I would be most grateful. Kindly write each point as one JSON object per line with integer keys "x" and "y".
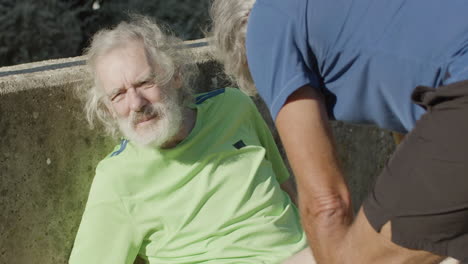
{"x": 324, "y": 199}
{"x": 107, "y": 232}
{"x": 105, "y": 236}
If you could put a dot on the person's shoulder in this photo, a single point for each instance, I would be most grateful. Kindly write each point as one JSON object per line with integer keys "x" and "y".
{"x": 237, "y": 99}
{"x": 228, "y": 93}
{"x": 225, "y": 97}
{"x": 206, "y": 97}
{"x": 111, "y": 174}
{"x": 237, "y": 93}
{"x": 119, "y": 149}
{"x": 290, "y": 8}
{"x": 225, "y": 103}
{"x": 116, "y": 158}
{"x": 236, "y": 96}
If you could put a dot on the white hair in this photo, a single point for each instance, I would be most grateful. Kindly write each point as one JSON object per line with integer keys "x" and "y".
{"x": 165, "y": 54}
{"x": 228, "y": 39}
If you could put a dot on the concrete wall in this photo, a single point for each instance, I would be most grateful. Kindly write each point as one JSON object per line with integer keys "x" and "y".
{"x": 48, "y": 155}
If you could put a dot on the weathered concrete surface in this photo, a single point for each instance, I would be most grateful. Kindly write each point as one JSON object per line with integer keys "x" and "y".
{"x": 47, "y": 160}
{"x": 363, "y": 151}
{"x": 48, "y": 155}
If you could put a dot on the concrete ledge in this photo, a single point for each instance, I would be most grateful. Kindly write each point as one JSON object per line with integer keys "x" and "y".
{"x": 56, "y": 73}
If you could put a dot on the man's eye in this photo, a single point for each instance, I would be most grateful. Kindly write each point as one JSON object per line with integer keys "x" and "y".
{"x": 146, "y": 84}
{"x": 117, "y": 97}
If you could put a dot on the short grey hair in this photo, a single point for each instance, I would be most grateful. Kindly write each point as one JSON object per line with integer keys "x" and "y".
{"x": 229, "y": 28}
{"x": 165, "y": 53}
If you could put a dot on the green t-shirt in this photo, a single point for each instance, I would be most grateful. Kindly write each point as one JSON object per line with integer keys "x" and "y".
{"x": 214, "y": 198}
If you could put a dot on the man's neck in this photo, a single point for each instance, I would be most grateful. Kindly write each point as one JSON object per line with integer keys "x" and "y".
{"x": 190, "y": 118}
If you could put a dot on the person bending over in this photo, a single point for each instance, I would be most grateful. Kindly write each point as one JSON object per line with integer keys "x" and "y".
{"x": 400, "y": 65}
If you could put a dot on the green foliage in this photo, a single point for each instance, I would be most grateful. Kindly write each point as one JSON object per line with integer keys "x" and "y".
{"x": 33, "y": 30}
{"x": 38, "y": 30}
{"x": 184, "y": 17}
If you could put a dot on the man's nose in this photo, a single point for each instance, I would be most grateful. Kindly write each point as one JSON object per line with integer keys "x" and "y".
{"x": 136, "y": 100}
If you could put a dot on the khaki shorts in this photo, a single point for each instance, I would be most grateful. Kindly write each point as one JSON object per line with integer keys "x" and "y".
{"x": 423, "y": 190}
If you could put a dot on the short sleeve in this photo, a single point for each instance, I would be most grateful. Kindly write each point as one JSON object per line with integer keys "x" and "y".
{"x": 278, "y": 55}
{"x": 105, "y": 235}
{"x": 107, "y": 232}
{"x": 267, "y": 141}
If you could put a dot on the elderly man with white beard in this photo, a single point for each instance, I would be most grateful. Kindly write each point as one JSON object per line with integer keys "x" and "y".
{"x": 195, "y": 179}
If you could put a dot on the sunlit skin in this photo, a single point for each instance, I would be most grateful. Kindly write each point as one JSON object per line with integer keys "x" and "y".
{"x": 324, "y": 199}
{"x": 127, "y": 79}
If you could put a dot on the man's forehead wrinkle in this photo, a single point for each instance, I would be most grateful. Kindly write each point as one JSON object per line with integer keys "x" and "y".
{"x": 123, "y": 67}
{"x": 143, "y": 76}
{"x": 112, "y": 79}
{"x": 156, "y": 68}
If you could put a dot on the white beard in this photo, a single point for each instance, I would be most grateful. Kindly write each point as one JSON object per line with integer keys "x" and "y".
{"x": 165, "y": 125}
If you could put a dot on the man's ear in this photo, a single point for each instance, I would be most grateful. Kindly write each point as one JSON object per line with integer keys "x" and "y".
{"x": 177, "y": 80}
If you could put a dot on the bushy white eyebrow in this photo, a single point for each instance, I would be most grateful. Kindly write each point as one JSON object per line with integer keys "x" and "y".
{"x": 147, "y": 77}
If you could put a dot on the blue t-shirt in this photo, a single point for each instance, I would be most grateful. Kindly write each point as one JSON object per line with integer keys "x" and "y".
{"x": 366, "y": 56}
